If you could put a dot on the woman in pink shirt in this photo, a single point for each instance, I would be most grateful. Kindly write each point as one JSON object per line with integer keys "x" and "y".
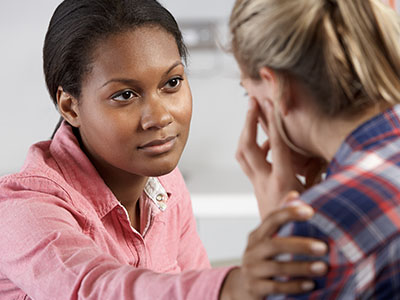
{"x": 100, "y": 211}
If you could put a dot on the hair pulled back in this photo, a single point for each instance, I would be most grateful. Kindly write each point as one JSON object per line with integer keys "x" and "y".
{"x": 78, "y": 25}
{"x": 346, "y": 52}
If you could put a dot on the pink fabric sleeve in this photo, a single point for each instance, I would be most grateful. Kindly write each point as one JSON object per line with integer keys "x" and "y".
{"x": 45, "y": 253}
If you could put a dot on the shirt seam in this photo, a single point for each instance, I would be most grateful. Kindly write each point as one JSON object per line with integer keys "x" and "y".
{"x": 12, "y": 178}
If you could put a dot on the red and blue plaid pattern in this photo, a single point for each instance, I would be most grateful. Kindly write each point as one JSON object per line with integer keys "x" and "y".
{"x": 358, "y": 214}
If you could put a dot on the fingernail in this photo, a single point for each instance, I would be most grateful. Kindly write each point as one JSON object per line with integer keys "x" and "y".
{"x": 318, "y": 268}
{"x": 319, "y": 248}
{"x": 307, "y": 285}
{"x": 305, "y": 211}
{"x": 294, "y": 203}
{"x": 294, "y": 195}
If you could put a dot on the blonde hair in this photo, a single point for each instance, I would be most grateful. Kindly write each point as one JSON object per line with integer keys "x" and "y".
{"x": 346, "y": 52}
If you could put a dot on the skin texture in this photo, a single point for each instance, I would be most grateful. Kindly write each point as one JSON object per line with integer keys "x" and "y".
{"x": 272, "y": 181}
{"x": 133, "y": 116}
{"x": 134, "y": 111}
{"x": 255, "y": 279}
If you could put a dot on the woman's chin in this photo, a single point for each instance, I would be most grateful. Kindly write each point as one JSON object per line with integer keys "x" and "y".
{"x": 161, "y": 170}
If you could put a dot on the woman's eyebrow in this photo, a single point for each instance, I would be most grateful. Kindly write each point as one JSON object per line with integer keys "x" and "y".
{"x": 128, "y": 81}
{"x": 177, "y": 63}
{"x": 121, "y": 80}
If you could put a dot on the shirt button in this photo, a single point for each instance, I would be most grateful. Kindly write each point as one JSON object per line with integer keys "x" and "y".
{"x": 160, "y": 197}
{"x": 162, "y": 206}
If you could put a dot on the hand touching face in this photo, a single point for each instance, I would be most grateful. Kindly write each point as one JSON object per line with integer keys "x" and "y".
{"x": 271, "y": 179}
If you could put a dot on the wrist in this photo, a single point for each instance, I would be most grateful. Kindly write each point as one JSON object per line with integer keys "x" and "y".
{"x": 231, "y": 285}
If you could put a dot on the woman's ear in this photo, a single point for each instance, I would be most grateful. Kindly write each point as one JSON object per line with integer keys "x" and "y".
{"x": 68, "y": 107}
{"x": 279, "y": 87}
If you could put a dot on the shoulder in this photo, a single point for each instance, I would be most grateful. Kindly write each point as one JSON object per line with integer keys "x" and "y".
{"x": 39, "y": 171}
{"x": 31, "y": 201}
{"x": 30, "y": 185}
{"x": 357, "y": 210}
{"x": 366, "y": 185}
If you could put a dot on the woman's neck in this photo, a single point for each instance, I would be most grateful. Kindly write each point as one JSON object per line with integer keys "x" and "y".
{"x": 126, "y": 187}
{"x": 128, "y": 191}
{"x": 328, "y": 136}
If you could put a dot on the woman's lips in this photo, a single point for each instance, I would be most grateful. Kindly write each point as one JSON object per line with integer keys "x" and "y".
{"x": 159, "y": 146}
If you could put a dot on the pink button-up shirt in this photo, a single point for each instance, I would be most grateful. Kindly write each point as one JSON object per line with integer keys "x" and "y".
{"x": 64, "y": 235}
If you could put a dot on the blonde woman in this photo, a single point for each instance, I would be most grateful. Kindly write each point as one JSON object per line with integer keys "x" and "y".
{"x": 323, "y": 81}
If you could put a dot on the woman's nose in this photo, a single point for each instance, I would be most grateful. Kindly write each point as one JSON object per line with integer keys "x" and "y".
{"x": 155, "y": 114}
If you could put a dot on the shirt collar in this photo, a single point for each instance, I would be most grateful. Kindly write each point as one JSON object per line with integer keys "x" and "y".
{"x": 80, "y": 173}
{"x": 371, "y": 133}
{"x": 156, "y": 193}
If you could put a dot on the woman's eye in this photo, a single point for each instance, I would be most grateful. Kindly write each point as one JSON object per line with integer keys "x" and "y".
{"x": 173, "y": 83}
{"x": 124, "y": 96}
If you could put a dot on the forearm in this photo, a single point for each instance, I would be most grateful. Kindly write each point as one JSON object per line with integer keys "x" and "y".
{"x": 145, "y": 284}
{"x": 104, "y": 278}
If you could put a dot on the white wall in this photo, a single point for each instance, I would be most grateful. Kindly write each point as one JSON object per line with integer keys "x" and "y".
{"x": 26, "y": 113}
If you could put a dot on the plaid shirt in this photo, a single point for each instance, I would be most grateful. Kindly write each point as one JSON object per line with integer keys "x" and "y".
{"x": 358, "y": 214}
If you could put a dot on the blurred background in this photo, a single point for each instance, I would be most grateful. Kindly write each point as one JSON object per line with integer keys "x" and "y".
{"x": 223, "y": 203}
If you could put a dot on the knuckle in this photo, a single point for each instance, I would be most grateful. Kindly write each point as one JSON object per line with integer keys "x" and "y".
{"x": 239, "y": 157}
{"x": 246, "y": 270}
{"x": 276, "y": 217}
{"x": 246, "y": 262}
{"x": 249, "y": 285}
{"x": 285, "y": 214}
{"x": 239, "y": 153}
{"x": 252, "y": 236}
{"x": 274, "y": 268}
{"x": 261, "y": 287}
{"x": 269, "y": 248}
{"x": 273, "y": 287}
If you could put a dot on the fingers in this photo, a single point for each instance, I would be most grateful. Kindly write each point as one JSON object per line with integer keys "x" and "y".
{"x": 281, "y": 153}
{"x": 292, "y": 269}
{"x": 250, "y": 131}
{"x": 271, "y": 224}
{"x": 262, "y": 273}
{"x": 269, "y": 248}
{"x": 247, "y": 139}
{"x": 269, "y": 287}
{"x": 262, "y": 119}
{"x": 249, "y": 154}
{"x": 265, "y": 148}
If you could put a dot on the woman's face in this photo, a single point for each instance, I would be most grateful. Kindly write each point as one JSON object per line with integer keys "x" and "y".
{"x": 135, "y": 107}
